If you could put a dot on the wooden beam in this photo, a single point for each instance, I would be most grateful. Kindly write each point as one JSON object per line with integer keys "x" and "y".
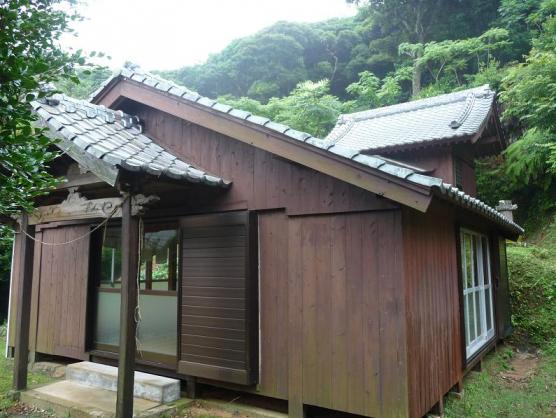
{"x": 23, "y": 305}
{"x": 128, "y": 326}
{"x": 87, "y": 179}
{"x": 367, "y": 178}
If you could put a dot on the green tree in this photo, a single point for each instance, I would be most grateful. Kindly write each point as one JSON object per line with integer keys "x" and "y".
{"x": 30, "y": 58}
{"x": 422, "y": 21}
{"x": 88, "y": 80}
{"x": 530, "y": 93}
{"x": 447, "y": 62}
{"x": 370, "y": 92}
{"x": 309, "y": 107}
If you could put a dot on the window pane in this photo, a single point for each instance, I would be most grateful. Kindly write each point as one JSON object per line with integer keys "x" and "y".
{"x": 471, "y": 322}
{"x": 475, "y": 261}
{"x": 478, "y": 314}
{"x": 159, "y": 264}
{"x": 107, "y": 327}
{"x": 486, "y": 261}
{"x": 157, "y": 331}
{"x": 488, "y": 308}
{"x": 466, "y": 313}
{"x": 468, "y": 260}
{"x": 111, "y": 258}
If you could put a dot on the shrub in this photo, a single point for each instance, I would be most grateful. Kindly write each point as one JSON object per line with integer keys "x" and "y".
{"x": 533, "y": 294}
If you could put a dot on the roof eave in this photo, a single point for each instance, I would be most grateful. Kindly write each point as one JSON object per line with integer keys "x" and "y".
{"x": 460, "y": 199}
{"x": 409, "y": 194}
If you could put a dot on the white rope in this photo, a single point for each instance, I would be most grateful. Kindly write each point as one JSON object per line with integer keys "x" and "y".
{"x": 55, "y": 244}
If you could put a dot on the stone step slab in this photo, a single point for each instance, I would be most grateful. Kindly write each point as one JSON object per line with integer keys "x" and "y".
{"x": 147, "y": 386}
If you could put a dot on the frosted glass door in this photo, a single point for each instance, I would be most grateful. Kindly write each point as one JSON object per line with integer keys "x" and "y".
{"x": 157, "y": 305}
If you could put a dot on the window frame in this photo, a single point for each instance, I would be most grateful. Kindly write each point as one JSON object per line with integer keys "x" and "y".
{"x": 476, "y": 337}
{"x": 159, "y": 360}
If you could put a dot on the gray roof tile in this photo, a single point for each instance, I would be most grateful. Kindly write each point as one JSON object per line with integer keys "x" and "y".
{"x": 238, "y": 113}
{"x": 114, "y": 143}
{"x": 278, "y": 127}
{"x": 453, "y": 116}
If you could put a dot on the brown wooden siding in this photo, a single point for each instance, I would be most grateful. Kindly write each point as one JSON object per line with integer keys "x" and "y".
{"x": 439, "y": 161}
{"x": 433, "y": 315}
{"x": 347, "y": 347}
{"x": 260, "y": 179}
{"x": 62, "y": 292}
{"x": 273, "y": 291}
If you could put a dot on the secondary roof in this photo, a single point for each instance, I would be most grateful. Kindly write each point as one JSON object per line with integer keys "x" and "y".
{"x": 447, "y": 118}
{"x": 104, "y": 141}
{"x": 394, "y": 173}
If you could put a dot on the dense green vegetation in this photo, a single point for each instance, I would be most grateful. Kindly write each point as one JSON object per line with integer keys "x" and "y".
{"x": 533, "y": 273}
{"x": 30, "y": 59}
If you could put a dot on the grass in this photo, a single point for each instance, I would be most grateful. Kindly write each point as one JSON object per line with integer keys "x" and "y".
{"x": 488, "y": 395}
{"x": 6, "y": 373}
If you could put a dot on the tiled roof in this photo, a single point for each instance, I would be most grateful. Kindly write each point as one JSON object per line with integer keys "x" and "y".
{"x": 113, "y": 138}
{"x": 453, "y": 116}
{"x": 400, "y": 171}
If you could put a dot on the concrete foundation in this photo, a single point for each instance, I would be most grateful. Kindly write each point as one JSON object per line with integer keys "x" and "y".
{"x": 147, "y": 386}
{"x": 67, "y": 398}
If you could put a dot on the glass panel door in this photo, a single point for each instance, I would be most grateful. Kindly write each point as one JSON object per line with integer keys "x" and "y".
{"x": 477, "y": 291}
{"x": 158, "y": 304}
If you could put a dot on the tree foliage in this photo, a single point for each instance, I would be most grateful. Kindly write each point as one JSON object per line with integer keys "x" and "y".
{"x": 88, "y": 80}
{"x": 31, "y": 58}
{"x": 272, "y": 62}
{"x": 309, "y": 107}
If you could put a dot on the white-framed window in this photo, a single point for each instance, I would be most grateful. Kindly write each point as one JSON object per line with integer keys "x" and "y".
{"x": 477, "y": 290}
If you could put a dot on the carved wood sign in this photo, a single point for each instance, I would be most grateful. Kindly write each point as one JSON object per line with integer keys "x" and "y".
{"x": 78, "y": 207}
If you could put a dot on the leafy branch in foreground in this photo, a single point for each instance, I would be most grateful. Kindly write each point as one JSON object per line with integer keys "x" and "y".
{"x": 30, "y": 58}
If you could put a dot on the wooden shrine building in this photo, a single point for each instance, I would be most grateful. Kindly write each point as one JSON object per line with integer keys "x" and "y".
{"x": 345, "y": 273}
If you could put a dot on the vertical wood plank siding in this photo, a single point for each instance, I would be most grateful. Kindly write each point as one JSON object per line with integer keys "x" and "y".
{"x": 347, "y": 324}
{"x": 260, "y": 179}
{"x": 433, "y": 316}
{"x": 273, "y": 291}
{"x": 62, "y": 297}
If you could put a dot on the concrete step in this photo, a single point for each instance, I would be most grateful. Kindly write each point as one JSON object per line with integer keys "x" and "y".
{"x": 70, "y": 399}
{"x": 147, "y": 386}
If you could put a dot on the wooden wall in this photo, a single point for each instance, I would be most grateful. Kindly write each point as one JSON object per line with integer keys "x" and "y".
{"x": 273, "y": 296}
{"x": 433, "y": 315}
{"x": 260, "y": 180}
{"x": 332, "y": 311}
{"x": 62, "y": 299}
{"x": 59, "y": 295}
{"x": 438, "y": 160}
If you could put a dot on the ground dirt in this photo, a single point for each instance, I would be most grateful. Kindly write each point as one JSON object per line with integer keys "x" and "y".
{"x": 522, "y": 368}
{"x": 199, "y": 410}
{"x": 19, "y": 410}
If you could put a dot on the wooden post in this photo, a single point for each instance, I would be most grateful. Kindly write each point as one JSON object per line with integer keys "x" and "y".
{"x": 23, "y": 305}
{"x": 126, "y": 363}
{"x": 438, "y": 408}
{"x": 191, "y": 382}
{"x": 149, "y": 274}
